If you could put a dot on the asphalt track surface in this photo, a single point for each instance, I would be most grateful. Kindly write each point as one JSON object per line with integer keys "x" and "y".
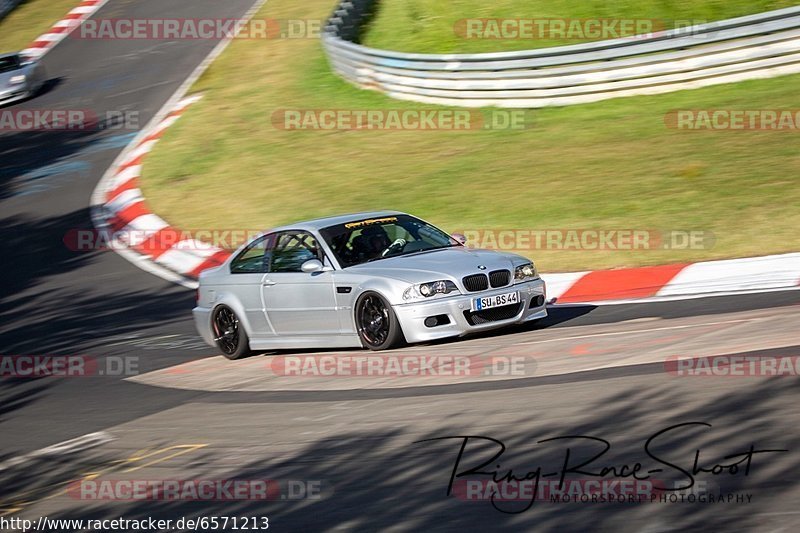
{"x": 357, "y": 438}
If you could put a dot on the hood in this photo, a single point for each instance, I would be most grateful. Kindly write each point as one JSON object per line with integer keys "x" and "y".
{"x": 447, "y": 263}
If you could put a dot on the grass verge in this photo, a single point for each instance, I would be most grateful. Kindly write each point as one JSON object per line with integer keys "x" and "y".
{"x": 430, "y": 25}
{"x": 611, "y": 165}
{"x": 29, "y": 20}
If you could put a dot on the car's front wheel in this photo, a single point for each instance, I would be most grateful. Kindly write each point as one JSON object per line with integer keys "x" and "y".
{"x": 376, "y": 323}
{"x": 229, "y": 335}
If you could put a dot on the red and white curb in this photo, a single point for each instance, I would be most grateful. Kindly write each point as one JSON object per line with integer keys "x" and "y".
{"x": 125, "y": 216}
{"x": 130, "y": 224}
{"x": 677, "y": 282}
{"x": 44, "y": 43}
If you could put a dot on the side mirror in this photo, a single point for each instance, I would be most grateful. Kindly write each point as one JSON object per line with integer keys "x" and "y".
{"x": 311, "y": 266}
{"x": 460, "y": 238}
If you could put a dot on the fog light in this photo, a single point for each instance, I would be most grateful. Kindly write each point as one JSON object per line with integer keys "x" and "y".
{"x": 438, "y": 320}
{"x": 537, "y": 302}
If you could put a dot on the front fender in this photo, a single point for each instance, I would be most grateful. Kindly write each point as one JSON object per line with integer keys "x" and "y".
{"x": 391, "y": 290}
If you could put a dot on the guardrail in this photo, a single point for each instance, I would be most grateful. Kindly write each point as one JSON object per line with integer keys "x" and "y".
{"x": 754, "y": 46}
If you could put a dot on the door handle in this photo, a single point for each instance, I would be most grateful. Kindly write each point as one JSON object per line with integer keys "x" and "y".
{"x": 268, "y": 283}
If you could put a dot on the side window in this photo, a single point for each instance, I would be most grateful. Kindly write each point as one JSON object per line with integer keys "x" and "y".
{"x": 292, "y": 249}
{"x": 253, "y": 259}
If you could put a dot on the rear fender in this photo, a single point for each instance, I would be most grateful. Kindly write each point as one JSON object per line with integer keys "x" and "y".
{"x": 229, "y": 299}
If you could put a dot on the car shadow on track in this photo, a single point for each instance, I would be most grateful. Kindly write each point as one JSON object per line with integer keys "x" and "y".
{"x": 49, "y": 86}
{"x": 556, "y": 315}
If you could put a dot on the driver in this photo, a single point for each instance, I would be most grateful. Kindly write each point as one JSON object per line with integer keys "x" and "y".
{"x": 377, "y": 240}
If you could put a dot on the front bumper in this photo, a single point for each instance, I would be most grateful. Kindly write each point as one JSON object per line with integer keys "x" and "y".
{"x": 412, "y": 316}
{"x": 12, "y": 95}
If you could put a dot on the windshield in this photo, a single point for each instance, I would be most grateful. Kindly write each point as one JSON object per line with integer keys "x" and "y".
{"x": 362, "y": 241}
{"x": 9, "y": 63}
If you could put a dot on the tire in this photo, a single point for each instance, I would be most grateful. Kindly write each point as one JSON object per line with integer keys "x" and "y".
{"x": 376, "y": 323}
{"x": 229, "y": 335}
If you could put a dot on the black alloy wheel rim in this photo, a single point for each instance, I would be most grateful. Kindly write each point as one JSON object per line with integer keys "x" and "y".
{"x": 373, "y": 319}
{"x": 226, "y": 330}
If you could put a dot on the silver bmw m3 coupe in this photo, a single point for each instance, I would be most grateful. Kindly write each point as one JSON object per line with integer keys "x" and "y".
{"x": 373, "y": 280}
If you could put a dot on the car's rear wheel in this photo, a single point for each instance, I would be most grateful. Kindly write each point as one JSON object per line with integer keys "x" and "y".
{"x": 229, "y": 335}
{"x": 376, "y": 323}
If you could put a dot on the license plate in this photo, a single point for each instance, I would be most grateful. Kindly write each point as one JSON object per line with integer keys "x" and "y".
{"x": 498, "y": 300}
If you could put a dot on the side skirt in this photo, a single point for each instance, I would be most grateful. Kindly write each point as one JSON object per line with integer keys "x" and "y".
{"x": 319, "y": 342}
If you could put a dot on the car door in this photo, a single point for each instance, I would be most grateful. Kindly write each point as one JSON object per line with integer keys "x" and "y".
{"x": 248, "y": 270}
{"x": 297, "y": 302}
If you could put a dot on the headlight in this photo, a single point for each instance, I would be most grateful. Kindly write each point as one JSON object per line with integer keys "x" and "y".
{"x": 426, "y": 290}
{"x": 526, "y": 271}
{"x": 16, "y": 80}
